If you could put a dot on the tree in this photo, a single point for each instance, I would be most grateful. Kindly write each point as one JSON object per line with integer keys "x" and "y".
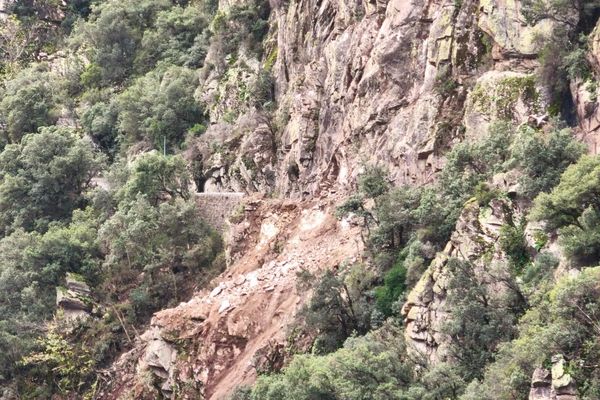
{"x": 513, "y": 244}
{"x": 543, "y": 157}
{"x": 371, "y": 367}
{"x": 112, "y": 35}
{"x": 581, "y": 242}
{"x": 471, "y": 162}
{"x": 157, "y": 178}
{"x": 573, "y": 207}
{"x": 480, "y": 318}
{"x": 339, "y": 307}
{"x": 68, "y": 366}
{"x": 565, "y": 321}
{"x": 568, "y": 12}
{"x": 15, "y": 40}
{"x": 28, "y": 103}
{"x": 100, "y": 121}
{"x": 579, "y": 189}
{"x": 32, "y": 265}
{"x": 242, "y": 25}
{"x": 43, "y": 178}
{"x": 160, "y": 106}
{"x": 179, "y": 37}
{"x": 394, "y": 286}
{"x": 154, "y": 249}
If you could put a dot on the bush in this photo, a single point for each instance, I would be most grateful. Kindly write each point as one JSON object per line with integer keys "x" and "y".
{"x": 67, "y": 368}
{"x": 579, "y": 188}
{"x": 513, "y": 244}
{"x": 573, "y": 207}
{"x": 373, "y": 182}
{"x": 112, "y": 35}
{"x": 479, "y": 319}
{"x": 179, "y": 36}
{"x": 372, "y": 367}
{"x": 241, "y": 393}
{"x": 156, "y": 177}
{"x": 564, "y": 322}
{"x": 541, "y": 270}
{"x": 394, "y": 286}
{"x": 581, "y": 242}
{"x": 100, "y": 121}
{"x": 472, "y": 162}
{"x": 483, "y": 194}
{"x": 165, "y": 245}
{"x": 245, "y": 25}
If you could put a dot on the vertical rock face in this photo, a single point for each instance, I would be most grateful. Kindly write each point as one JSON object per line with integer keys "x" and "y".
{"x": 216, "y": 208}
{"x": 513, "y": 35}
{"x": 356, "y": 82}
{"x": 585, "y": 96}
{"x": 381, "y": 82}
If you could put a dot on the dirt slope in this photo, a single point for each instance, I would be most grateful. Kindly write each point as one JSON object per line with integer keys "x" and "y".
{"x": 212, "y": 344}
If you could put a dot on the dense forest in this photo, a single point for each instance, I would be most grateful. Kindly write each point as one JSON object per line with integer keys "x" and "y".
{"x": 111, "y": 112}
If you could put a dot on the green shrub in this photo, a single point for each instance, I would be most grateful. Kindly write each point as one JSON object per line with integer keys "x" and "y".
{"x": 513, "y": 244}
{"x": 581, "y": 242}
{"x": 100, "y": 121}
{"x": 245, "y": 24}
{"x": 472, "y": 162}
{"x": 373, "y": 182}
{"x": 339, "y": 307}
{"x": 540, "y": 270}
{"x": 483, "y": 194}
{"x": 179, "y": 36}
{"x": 372, "y": 367}
{"x": 394, "y": 286}
{"x": 540, "y": 239}
{"x": 479, "y": 319}
{"x": 168, "y": 245}
{"x": 69, "y": 368}
{"x": 112, "y": 35}
{"x": 44, "y": 178}
{"x": 91, "y": 76}
{"x": 573, "y": 208}
{"x": 543, "y": 157}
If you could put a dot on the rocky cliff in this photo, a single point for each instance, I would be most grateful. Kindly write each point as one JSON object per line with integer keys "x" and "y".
{"x": 394, "y": 83}
{"x": 374, "y": 82}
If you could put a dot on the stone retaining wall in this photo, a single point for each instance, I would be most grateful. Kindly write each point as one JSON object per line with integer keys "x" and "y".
{"x": 215, "y": 208}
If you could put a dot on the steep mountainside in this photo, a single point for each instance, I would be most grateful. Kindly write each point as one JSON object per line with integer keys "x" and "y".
{"x": 394, "y": 84}
{"x": 410, "y": 213}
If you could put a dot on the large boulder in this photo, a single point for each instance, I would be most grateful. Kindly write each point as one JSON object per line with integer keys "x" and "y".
{"x": 73, "y": 301}
{"x": 553, "y": 384}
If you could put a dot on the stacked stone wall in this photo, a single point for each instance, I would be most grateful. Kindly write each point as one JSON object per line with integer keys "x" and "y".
{"x": 215, "y": 208}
